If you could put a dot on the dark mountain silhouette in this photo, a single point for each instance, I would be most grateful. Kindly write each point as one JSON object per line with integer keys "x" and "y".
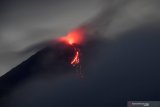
{"x": 115, "y": 71}
{"x": 43, "y": 62}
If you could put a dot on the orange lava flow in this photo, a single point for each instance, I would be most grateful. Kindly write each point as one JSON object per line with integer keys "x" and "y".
{"x": 74, "y": 38}
{"x": 75, "y": 60}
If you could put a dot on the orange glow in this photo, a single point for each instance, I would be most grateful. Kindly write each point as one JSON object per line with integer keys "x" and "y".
{"x": 74, "y": 37}
{"x": 75, "y": 60}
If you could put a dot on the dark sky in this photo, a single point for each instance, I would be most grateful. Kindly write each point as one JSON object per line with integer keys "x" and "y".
{"x": 26, "y": 23}
{"x": 29, "y": 24}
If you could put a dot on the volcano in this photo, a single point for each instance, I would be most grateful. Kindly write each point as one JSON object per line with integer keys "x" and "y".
{"x": 115, "y": 71}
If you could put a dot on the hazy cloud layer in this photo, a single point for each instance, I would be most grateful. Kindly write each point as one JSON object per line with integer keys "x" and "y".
{"x": 26, "y": 24}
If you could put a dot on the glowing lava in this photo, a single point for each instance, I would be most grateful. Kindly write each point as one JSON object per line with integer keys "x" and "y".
{"x": 75, "y": 60}
{"x": 74, "y": 37}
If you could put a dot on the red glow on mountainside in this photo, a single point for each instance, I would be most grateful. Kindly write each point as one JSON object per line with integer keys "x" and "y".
{"x": 74, "y": 37}
{"x": 75, "y": 60}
